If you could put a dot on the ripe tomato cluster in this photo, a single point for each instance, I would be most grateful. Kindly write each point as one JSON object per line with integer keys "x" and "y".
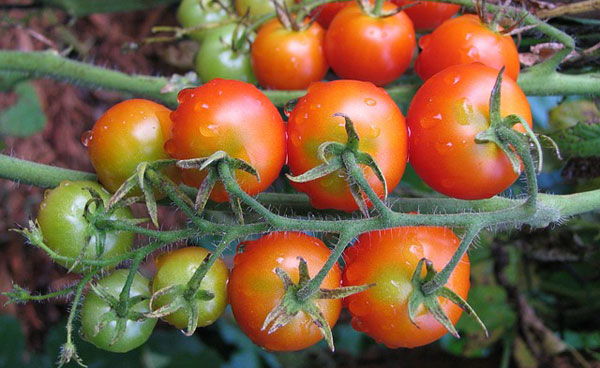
{"x": 235, "y": 117}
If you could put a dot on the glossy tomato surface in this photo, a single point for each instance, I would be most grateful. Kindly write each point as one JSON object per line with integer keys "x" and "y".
{"x": 325, "y": 13}
{"x": 444, "y": 117}
{"x": 255, "y": 289}
{"x": 380, "y": 126}
{"x": 427, "y": 15}
{"x": 256, "y": 8}
{"x": 127, "y": 134}
{"x": 195, "y": 13}
{"x": 287, "y": 59}
{"x": 94, "y": 308}
{"x": 67, "y": 231}
{"x": 378, "y": 50}
{"x": 177, "y": 268}
{"x": 231, "y": 116}
{"x": 389, "y": 258}
{"x": 464, "y": 40}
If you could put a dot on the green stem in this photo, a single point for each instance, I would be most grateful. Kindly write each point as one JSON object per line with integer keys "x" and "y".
{"x": 75, "y": 304}
{"x": 123, "y": 306}
{"x": 377, "y": 8}
{"x": 193, "y": 286}
{"x": 40, "y": 175}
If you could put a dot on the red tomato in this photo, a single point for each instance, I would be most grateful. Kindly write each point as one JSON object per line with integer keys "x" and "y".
{"x": 463, "y": 40}
{"x": 325, "y": 13}
{"x": 127, "y": 134}
{"x": 380, "y": 126}
{"x": 378, "y": 50}
{"x": 444, "y": 117}
{"x": 427, "y": 14}
{"x": 254, "y": 288}
{"x": 287, "y": 59}
{"x": 389, "y": 258}
{"x": 234, "y": 117}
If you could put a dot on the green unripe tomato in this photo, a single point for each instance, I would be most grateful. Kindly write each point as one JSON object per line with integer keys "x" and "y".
{"x": 94, "y": 308}
{"x": 257, "y": 8}
{"x": 177, "y": 268}
{"x": 216, "y": 59}
{"x": 68, "y": 232}
{"x": 192, "y": 13}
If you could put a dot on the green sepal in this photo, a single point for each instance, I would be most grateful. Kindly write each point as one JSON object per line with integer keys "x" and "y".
{"x": 205, "y": 189}
{"x": 359, "y": 198}
{"x": 366, "y": 159}
{"x": 353, "y": 140}
{"x": 68, "y": 353}
{"x": 318, "y": 172}
{"x": 17, "y": 295}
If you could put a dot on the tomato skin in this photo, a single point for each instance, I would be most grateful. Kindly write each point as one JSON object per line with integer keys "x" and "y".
{"x": 255, "y": 289}
{"x": 389, "y": 258}
{"x": 65, "y": 229}
{"x": 427, "y": 15}
{"x": 361, "y": 47}
{"x": 192, "y": 13}
{"x": 177, "y": 267}
{"x": 444, "y": 117}
{"x": 326, "y": 12}
{"x": 127, "y": 134}
{"x": 216, "y": 59}
{"x": 256, "y": 8}
{"x": 93, "y": 308}
{"x": 234, "y": 117}
{"x": 380, "y": 126}
{"x": 464, "y": 40}
{"x": 288, "y": 59}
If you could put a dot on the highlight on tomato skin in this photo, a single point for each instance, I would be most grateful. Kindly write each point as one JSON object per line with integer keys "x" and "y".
{"x": 444, "y": 117}
{"x": 463, "y": 40}
{"x": 427, "y": 15}
{"x": 231, "y": 116}
{"x": 389, "y": 258}
{"x": 255, "y": 289}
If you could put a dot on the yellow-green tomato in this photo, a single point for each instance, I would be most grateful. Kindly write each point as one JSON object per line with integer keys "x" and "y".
{"x": 66, "y": 230}
{"x": 95, "y": 309}
{"x": 176, "y": 268}
{"x": 257, "y": 8}
{"x": 217, "y": 59}
{"x": 193, "y": 13}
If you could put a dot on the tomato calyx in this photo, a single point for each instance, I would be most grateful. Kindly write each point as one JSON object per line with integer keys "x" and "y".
{"x": 430, "y": 301}
{"x": 335, "y": 157}
{"x": 291, "y": 303}
{"x": 375, "y": 9}
{"x": 502, "y": 134}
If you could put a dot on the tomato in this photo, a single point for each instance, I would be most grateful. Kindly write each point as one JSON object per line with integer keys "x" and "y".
{"x": 193, "y": 13}
{"x": 68, "y": 232}
{"x": 444, "y": 117}
{"x": 287, "y": 59}
{"x": 427, "y": 15}
{"x": 389, "y": 258}
{"x": 464, "y": 40}
{"x": 94, "y": 308}
{"x": 378, "y": 122}
{"x": 378, "y": 50}
{"x": 255, "y": 289}
{"x": 127, "y": 134}
{"x": 216, "y": 58}
{"x": 234, "y": 117}
{"x": 177, "y": 268}
{"x": 326, "y": 12}
{"x": 256, "y": 8}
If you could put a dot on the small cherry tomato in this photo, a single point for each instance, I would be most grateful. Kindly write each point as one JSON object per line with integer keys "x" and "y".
{"x": 256, "y": 8}
{"x": 231, "y": 116}
{"x": 67, "y": 231}
{"x": 326, "y": 12}
{"x": 94, "y": 308}
{"x": 127, "y": 134}
{"x": 380, "y": 126}
{"x": 194, "y": 13}
{"x": 388, "y": 258}
{"x": 444, "y": 117}
{"x": 427, "y": 15}
{"x": 287, "y": 59}
{"x": 177, "y": 268}
{"x": 255, "y": 289}
{"x": 378, "y": 50}
{"x": 466, "y": 39}
{"x": 217, "y": 59}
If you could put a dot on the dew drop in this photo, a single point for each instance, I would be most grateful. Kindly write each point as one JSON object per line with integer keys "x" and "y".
{"x": 169, "y": 147}
{"x": 443, "y": 148}
{"x": 86, "y": 138}
{"x": 315, "y": 106}
{"x": 210, "y": 130}
{"x": 370, "y": 102}
{"x": 473, "y": 53}
{"x": 424, "y": 41}
{"x": 358, "y": 308}
{"x": 374, "y": 131}
{"x": 296, "y": 140}
{"x": 468, "y": 36}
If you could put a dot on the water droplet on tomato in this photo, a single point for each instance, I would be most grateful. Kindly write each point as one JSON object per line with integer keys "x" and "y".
{"x": 443, "y": 148}
{"x": 296, "y": 140}
{"x": 473, "y": 53}
{"x": 424, "y": 41}
{"x": 358, "y": 308}
{"x": 209, "y": 130}
{"x": 86, "y": 138}
{"x": 370, "y": 102}
{"x": 185, "y": 94}
{"x": 169, "y": 147}
{"x": 374, "y": 131}
{"x": 315, "y": 106}
{"x": 468, "y": 36}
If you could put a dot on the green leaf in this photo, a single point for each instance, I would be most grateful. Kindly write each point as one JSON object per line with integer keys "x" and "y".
{"x": 582, "y": 140}
{"x": 24, "y": 118}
